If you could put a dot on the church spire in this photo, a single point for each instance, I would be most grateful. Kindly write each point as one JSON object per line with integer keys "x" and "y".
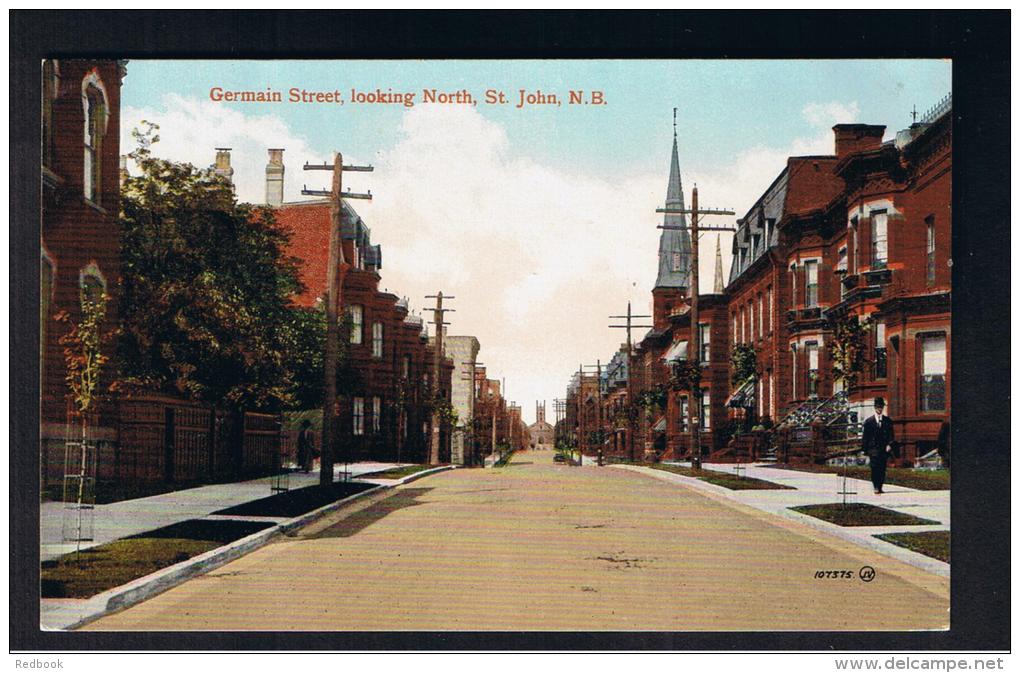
{"x": 718, "y": 289}
{"x": 674, "y": 244}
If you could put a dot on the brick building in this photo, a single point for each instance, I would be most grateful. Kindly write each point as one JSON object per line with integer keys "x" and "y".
{"x": 80, "y": 233}
{"x": 386, "y": 381}
{"x": 865, "y": 232}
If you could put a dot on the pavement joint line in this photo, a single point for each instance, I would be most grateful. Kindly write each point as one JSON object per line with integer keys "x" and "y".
{"x": 141, "y": 589}
{"x": 784, "y": 514}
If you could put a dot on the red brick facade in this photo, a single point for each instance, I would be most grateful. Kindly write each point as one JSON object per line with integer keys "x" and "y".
{"x": 384, "y": 409}
{"x": 866, "y": 232}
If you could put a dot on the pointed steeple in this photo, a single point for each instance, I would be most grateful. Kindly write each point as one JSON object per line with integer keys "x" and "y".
{"x": 718, "y": 288}
{"x": 674, "y": 244}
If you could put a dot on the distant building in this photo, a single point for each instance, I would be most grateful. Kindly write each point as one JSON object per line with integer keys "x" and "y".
{"x": 463, "y": 350}
{"x": 541, "y": 433}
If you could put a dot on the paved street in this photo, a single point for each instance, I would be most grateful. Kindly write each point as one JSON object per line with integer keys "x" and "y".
{"x": 543, "y": 546}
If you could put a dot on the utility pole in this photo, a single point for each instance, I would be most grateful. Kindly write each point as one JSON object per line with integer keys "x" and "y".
{"x": 335, "y": 271}
{"x": 437, "y": 359}
{"x": 694, "y": 410}
{"x": 631, "y": 430}
{"x": 580, "y": 408}
{"x": 471, "y": 407}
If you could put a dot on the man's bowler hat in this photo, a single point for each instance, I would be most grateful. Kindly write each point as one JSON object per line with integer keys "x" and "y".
{"x": 879, "y": 402}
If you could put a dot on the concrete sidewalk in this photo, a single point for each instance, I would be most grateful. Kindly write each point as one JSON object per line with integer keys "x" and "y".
{"x": 812, "y": 488}
{"x": 130, "y": 517}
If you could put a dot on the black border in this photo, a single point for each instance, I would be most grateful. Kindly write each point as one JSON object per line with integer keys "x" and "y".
{"x": 977, "y": 42}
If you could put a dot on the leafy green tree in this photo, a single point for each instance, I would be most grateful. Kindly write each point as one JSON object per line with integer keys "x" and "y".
{"x": 848, "y": 348}
{"x": 206, "y": 288}
{"x": 744, "y": 363}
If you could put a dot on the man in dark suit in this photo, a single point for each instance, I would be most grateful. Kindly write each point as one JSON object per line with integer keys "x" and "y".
{"x": 877, "y": 442}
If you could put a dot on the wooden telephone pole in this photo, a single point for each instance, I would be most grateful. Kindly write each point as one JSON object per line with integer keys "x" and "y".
{"x": 471, "y": 406}
{"x": 334, "y": 286}
{"x": 437, "y": 360}
{"x": 694, "y": 410}
{"x": 631, "y": 430}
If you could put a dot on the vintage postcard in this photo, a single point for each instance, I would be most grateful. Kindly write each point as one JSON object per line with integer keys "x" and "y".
{"x": 499, "y": 346}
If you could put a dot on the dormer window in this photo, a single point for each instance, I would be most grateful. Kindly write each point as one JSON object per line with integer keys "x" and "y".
{"x": 677, "y": 257}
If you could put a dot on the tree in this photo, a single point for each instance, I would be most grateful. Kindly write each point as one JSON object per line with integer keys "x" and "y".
{"x": 206, "y": 283}
{"x": 848, "y": 348}
{"x": 744, "y": 363}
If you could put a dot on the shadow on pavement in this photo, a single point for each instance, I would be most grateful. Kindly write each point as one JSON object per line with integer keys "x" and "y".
{"x": 406, "y": 497}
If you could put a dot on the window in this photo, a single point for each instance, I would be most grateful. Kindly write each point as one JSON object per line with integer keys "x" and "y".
{"x": 706, "y": 409}
{"x": 853, "y": 241}
{"x": 733, "y": 321}
{"x": 933, "y": 372}
{"x": 879, "y": 241}
{"x": 761, "y": 317}
{"x": 377, "y": 339}
{"x": 356, "y": 314}
{"x": 811, "y": 283}
{"x": 704, "y": 342}
{"x": 841, "y": 267}
{"x": 881, "y": 362}
{"x": 93, "y": 101}
{"x": 677, "y": 258}
{"x": 812, "y": 353}
{"x": 358, "y": 417}
{"x": 743, "y": 325}
{"x": 793, "y": 369}
{"x": 770, "y": 308}
{"x": 406, "y": 367}
{"x": 743, "y": 258}
{"x": 757, "y": 242}
{"x": 793, "y": 286}
{"x": 930, "y": 221}
{"x": 684, "y": 413}
{"x": 376, "y": 414}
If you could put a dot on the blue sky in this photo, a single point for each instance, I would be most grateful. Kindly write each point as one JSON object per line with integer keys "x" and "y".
{"x": 723, "y": 106}
{"x": 541, "y": 221}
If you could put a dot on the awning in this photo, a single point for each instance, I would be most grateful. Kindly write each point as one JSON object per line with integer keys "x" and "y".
{"x": 743, "y": 398}
{"x": 678, "y": 351}
{"x": 660, "y": 426}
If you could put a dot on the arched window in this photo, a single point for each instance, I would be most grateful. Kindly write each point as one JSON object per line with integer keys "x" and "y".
{"x": 91, "y": 282}
{"x": 93, "y": 100}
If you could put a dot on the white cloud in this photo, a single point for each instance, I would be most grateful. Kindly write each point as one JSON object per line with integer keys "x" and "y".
{"x": 826, "y": 115}
{"x": 537, "y": 257}
{"x": 191, "y": 129}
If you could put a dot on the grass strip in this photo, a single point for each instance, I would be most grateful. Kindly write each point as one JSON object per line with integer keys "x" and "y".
{"x": 733, "y": 482}
{"x": 297, "y": 502}
{"x": 396, "y": 472}
{"x": 933, "y": 543}
{"x": 116, "y": 563}
{"x": 861, "y": 514}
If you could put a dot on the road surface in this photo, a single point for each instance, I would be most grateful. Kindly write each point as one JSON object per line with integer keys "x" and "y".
{"x": 543, "y": 546}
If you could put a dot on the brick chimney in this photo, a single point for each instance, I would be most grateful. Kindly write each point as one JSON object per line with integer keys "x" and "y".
{"x": 857, "y": 138}
{"x": 222, "y": 166}
{"x": 274, "y": 178}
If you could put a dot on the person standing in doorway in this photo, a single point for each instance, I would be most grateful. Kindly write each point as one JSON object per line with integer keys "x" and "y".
{"x": 877, "y": 443}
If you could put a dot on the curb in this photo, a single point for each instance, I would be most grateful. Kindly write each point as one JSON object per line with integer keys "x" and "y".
{"x": 143, "y": 588}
